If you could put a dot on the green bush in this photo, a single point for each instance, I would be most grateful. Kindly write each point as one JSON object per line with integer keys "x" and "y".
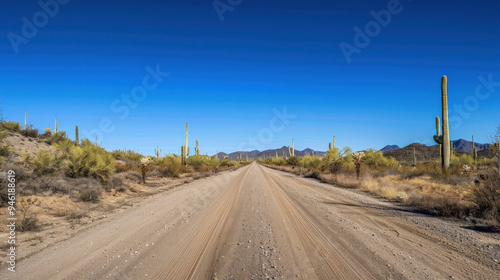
{"x": 44, "y": 163}
{"x": 171, "y": 167}
{"x": 57, "y": 137}
{"x": 293, "y": 161}
{"x": 375, "y": 159}
{"x": 89, "y": 160}
{"x": 228, "y": 163}
{"x": 10, "y": 125}
{"x": 458, "y": 161}
{"x": 199, "y": 163}
{"x": 337, "y": 160}
{"x": 312, "y": 162}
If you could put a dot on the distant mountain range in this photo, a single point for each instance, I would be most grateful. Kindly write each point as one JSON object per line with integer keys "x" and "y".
{"x": 422, "y": 151}
{"x": 255, "y": 154}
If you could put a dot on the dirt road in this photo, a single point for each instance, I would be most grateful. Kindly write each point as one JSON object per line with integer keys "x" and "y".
{"x": 258, "y": 223}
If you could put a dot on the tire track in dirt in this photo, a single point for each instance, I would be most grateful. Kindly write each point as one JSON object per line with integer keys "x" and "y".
{"x": 195, "y": 254}
{"x": 423, "y": 252}
{"x": 330, "y": 259}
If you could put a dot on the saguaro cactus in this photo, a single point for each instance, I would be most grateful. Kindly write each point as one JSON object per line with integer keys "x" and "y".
{"x": 197, "y": 150}
{"x": 77, "y": 138}
{"x": 186, "y": 148}
{"x": 56, "y": 125}
{"x": 291, "y": 151}
{"x": 473, "y": 150}
{"x": 444, "y": 139}
{"x": 334, "y": 141}
{"x": 438, "y": 133}
{"x": 330, "y": 146}
{"x": 157, "y": 152}
{"x": 495, "y": 147}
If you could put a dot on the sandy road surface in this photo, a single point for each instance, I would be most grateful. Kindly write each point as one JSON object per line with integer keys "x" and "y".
{"x": 258, "y": 223}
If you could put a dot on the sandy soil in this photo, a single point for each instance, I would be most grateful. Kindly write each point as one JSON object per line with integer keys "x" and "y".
{"x": 258, "y": 223}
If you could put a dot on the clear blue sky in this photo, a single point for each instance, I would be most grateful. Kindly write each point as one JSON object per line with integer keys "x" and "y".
{"x": 226, "y": 77}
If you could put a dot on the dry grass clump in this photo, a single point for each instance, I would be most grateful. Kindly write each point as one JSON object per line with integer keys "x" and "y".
{"x": 486, "y": 195}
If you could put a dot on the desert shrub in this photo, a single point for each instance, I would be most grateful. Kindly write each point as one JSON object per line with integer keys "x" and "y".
{"x": 30, "y": 132}
{"x": 12, "y": 126}
{"x": 487, "y": 196}
{"x": 215, "y": 164}
{"x": 171, "y": 167}
{"x": 310, "y": 162}
{"x": 29, "y": 220}
{"x": 88, "y": 189}
{"x": 134, "y": 176}
{"x": 440, "y": 204}
{"x": 64, "y": 145}
{"x": 376, "y": 160}
{"x": 115, "y": 182}
{"x": 228, "y": 163}
{"x": 131, "y": 158}
{"x": 154, "y": 172}
{"x": 56, "y": 137}
{"x": 277, "y": 161}
{"x": 199, "y": 163}
{"x": 487, "y": 161}
{"x": 44, "y": 163}
{"x": 337, "y": 160}
{"x": 21, "y": 172}
{"x": 45, "y": 185}
{"x": 4, "y": 145}
{"x": 89, "y": 160}
{"x": 464, "y": 159}
{"x": 120, "y": 167}
{"x": 293, "y": 161}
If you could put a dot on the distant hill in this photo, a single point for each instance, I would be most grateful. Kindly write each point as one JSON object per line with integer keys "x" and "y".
{"x": 466, "y": 146}
{"x": 389, "y": 148}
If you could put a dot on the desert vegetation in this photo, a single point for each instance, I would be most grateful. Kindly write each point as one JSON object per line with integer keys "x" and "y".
{"x": 85, "y": 172}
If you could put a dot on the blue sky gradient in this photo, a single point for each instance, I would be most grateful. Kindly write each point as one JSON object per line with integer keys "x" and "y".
{"x": 226, "y": 77}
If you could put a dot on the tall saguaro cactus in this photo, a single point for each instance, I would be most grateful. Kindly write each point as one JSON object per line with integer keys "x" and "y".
{"x": 444, "y": 139}
{"x": 334, "y": 141}
{"x": 473, "y": 150}
{"x": 291, "y": 151}
{"x": 77, "y": 138}
{"x": 186, "y": 149}
{"x": 56, "y": 125}
{"x": 157, "y": 152}
{"x": 197, "y": 149}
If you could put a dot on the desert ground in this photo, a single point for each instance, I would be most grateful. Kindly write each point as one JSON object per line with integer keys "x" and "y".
{"x": 260, "y": 223}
